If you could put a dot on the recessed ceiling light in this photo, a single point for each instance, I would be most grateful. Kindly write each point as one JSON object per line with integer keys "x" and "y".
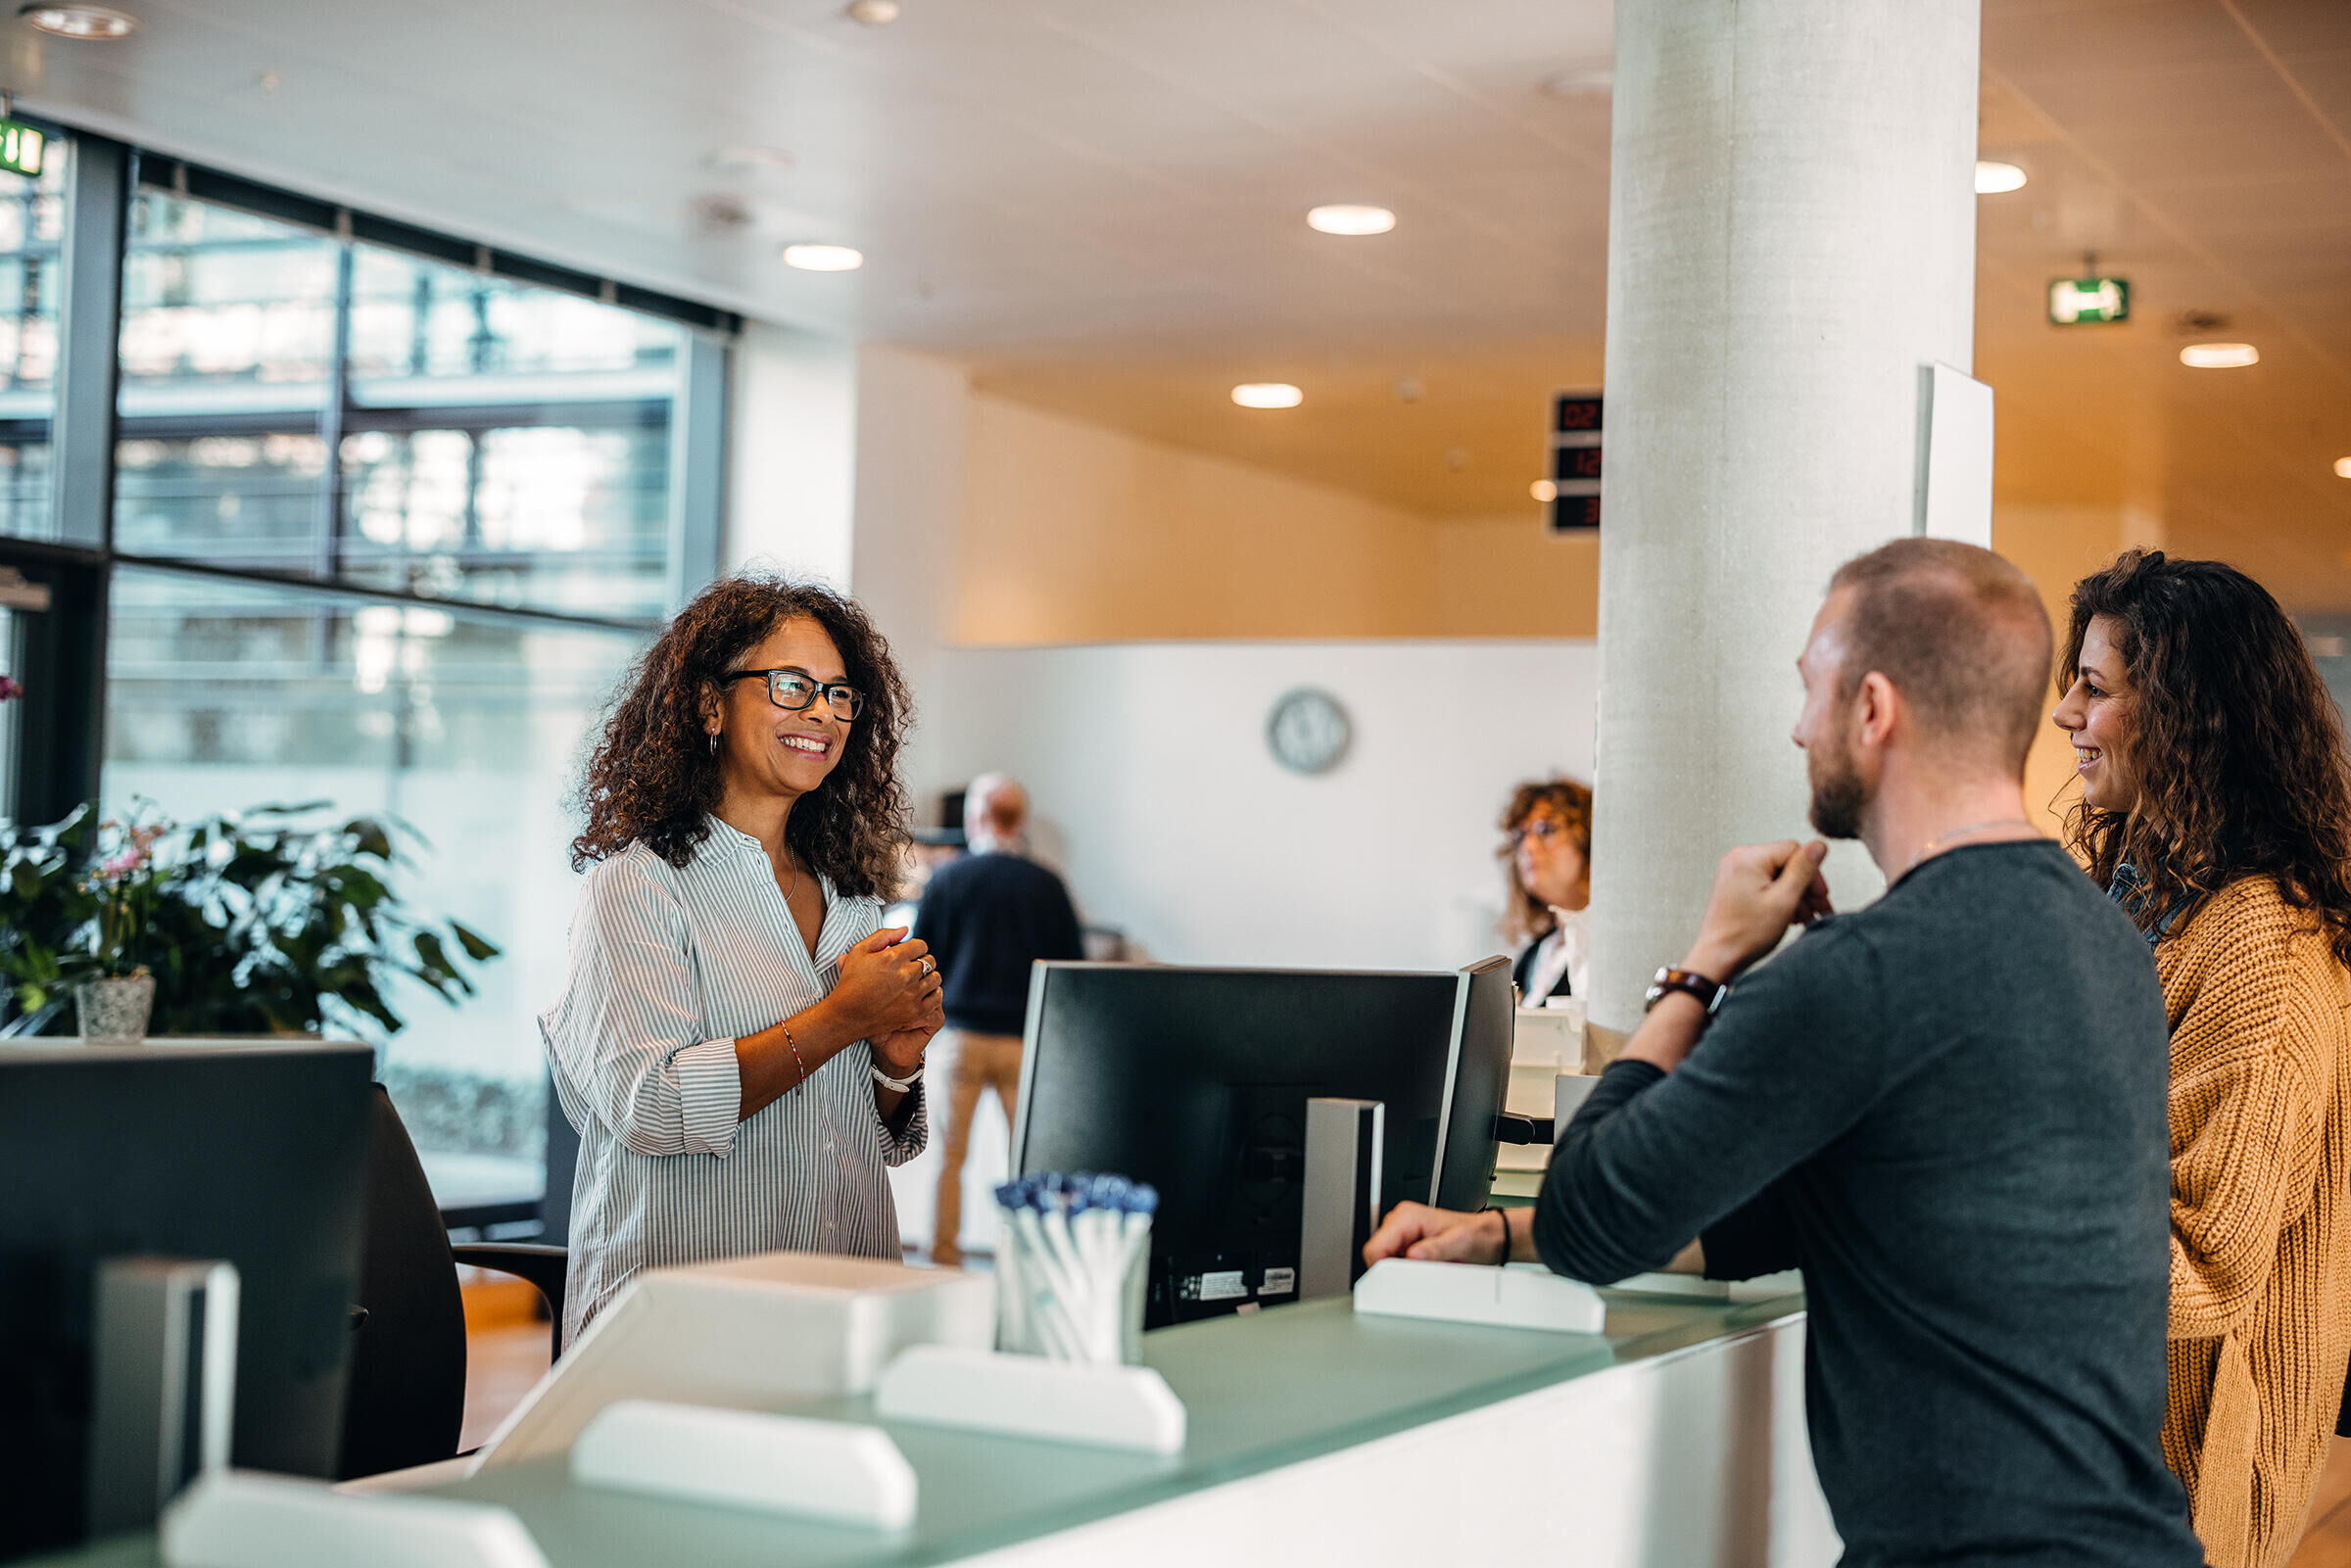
{"x": 1543, "y": 490}
{"x": 1581, "y": 81}
{"x": 1267, "y": 395}
{"x": 2342, "y": 468}
{"x": 822, "y": 258}
{"x": 2219, "y": 356}
{"x": 1992, "y": 178}
{"x": 80, "y": 22}
{"x": 874, "y": 12}
{"x": 1342, "y": 218}
{"x": 751, "y": 158}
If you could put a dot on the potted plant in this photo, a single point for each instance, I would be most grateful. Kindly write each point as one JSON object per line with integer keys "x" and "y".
{"x": 113, "y": 991}
{"x": 280, "y": 919}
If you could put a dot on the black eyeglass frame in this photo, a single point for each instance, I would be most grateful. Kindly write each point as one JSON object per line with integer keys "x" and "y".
{"x": 816, "y": 689}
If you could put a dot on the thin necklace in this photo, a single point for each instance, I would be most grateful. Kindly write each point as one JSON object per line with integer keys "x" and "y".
{"x": 1933, "y": 844}
{"x": 795, "y": 877}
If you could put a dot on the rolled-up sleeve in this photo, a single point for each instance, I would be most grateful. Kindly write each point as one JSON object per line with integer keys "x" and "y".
{"x": 902, "y": 1144}
{"x": 625, "y": 1034}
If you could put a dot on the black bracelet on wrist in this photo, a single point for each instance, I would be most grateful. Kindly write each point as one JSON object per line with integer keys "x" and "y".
{"x": 1494, "y": 1209}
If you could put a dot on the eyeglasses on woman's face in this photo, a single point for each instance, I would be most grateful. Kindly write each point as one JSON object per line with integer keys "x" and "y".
{"x": 796, "y": 691}
{"x": 1541, "y": 829}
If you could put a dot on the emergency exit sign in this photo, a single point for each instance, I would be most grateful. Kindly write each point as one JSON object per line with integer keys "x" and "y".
{"x": 21, "y": 148}
{"x": 2078, "y": 302}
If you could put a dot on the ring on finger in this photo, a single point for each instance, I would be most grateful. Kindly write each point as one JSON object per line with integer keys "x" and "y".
{"x": 928, "y": 965}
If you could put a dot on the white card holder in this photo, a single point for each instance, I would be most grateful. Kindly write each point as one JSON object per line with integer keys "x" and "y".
{"x": 785, "y": 1464}
{"x": 1518, "y": 1295}
{"x": 238, "y": 1519}
{"x": 1031, "y": 1397}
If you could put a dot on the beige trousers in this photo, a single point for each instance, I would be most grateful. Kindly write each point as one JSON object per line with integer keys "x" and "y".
{"x": 974, "y": 1062}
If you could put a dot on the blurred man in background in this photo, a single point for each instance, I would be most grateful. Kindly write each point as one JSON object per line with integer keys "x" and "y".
{"x": 988, "y": 918}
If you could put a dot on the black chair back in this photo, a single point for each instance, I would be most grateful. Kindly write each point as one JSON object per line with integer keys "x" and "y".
{"x": 406, "y": 1399}
{"x": 562, "y": 1164}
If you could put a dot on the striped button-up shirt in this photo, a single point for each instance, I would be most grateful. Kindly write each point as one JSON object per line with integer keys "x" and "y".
{"x": 669, "y": 966}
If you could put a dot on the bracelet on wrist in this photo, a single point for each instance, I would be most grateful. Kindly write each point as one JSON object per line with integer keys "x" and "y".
{"x": 1504, "y": 1255}
{"x": 794, "y": 1047}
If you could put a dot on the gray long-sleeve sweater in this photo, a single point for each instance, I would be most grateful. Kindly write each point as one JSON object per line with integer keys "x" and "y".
{"x": 1948, "y": 1111}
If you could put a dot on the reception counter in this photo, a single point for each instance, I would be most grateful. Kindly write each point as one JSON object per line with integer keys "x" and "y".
{"x": 1318, "y": 1436}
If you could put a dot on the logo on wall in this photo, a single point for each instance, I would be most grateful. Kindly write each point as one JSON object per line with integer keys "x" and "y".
{"x": 1574, "y": 505}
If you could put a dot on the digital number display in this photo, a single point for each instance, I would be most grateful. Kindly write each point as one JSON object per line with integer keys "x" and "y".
{"x": 1571, "y": 514}
{"x": 1576, "y": 414}
{"x": 1575, "y": 463}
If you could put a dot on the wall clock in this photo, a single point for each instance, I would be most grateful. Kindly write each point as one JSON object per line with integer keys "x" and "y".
{"x": 1308, "y": 731}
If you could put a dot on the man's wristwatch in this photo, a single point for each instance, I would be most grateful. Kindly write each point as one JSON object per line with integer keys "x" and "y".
{"x": 900, "y": 1085}
{"x": 1667, "y": 980}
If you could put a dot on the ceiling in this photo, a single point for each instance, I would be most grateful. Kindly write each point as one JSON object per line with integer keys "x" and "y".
{"x": 1096, "y": 204}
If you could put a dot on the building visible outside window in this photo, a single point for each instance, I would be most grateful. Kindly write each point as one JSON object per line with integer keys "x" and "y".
{"x": 32, "y": 219}
{"x": 9, "y": 660}
{"x": 500, "y": 449}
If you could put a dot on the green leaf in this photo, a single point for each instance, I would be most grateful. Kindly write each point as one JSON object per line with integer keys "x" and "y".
{"x": 368, "y": 837}
{"x": 432, "y": 955}
{"x": 477, "y": 947}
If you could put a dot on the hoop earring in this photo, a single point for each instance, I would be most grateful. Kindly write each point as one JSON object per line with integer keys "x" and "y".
{"x": 714, "y": 746}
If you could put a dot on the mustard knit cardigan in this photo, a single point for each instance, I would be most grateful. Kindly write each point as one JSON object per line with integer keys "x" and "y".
{"x": 2261, "y": 1217}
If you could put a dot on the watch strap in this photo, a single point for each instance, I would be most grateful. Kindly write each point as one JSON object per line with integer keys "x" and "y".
{"x": 900, "y": 1085}
{"x": 1709, "y": 993}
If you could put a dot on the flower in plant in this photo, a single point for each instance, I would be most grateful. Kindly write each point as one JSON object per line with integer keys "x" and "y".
{"x": 10, "y": 689}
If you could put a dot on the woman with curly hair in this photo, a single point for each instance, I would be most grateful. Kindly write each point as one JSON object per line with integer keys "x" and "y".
{"x": 1547, "y": 844}
{"x": 2215, "y": 805}
{"x": 738, "y": 1042}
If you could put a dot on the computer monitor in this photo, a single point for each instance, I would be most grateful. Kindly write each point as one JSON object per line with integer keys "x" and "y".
{"x": 1196, "y": 1080}
{"x": 256, "y": 1154}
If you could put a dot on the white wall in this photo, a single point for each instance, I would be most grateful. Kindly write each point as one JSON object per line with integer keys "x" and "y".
{"x": 1155, "y": 795}
{"x": 792, "y": 452}
{"x": 912, "y": 416}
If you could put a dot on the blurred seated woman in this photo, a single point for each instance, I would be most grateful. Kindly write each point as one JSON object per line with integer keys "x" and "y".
{"x": 740, "y": 1043}
{"x": 1547, "y": 848}
{"x": 2217, "y": 809}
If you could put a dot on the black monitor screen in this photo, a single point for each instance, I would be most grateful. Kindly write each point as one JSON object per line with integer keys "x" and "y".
{"x": 253, "y": 1154}
{"x": 1196, "y": 1080}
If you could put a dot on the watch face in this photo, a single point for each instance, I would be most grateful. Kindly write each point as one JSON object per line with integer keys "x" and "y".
{"x": 1308, "y": 731}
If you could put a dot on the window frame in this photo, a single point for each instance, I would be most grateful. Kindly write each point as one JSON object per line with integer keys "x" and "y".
{"x": 62, "y": 736}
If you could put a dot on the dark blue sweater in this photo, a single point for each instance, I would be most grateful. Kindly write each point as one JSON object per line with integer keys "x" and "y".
{"x": 1948, "y": 1111}
{"x": 989, "y": 917}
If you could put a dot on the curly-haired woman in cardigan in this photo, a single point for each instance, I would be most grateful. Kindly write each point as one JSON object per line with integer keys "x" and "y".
{"x": 738, "y": 1043}
{"x": 2215, "y": 805}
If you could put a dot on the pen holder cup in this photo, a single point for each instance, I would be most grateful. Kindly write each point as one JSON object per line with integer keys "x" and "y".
{"x": 1045, "y": 1308}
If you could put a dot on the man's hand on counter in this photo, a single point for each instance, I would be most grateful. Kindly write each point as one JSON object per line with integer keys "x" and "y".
{"x": 1448, "y": 1236}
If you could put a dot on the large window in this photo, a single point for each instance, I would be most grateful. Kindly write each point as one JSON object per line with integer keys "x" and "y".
{"x": 380, "y": 518}
{"x": 33, "y": 223}
{"x": 493, "y": 442}
{"x": 466, "y": 726}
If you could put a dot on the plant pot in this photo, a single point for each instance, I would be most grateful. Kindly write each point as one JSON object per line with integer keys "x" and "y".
{"x": 114, "y": 1011}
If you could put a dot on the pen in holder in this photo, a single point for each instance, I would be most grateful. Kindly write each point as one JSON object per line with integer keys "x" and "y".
{"x": 1073, "y": 1265}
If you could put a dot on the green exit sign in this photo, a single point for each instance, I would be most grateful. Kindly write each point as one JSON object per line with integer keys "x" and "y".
{"x": 2074, "y": 302}
{"x": 21, "y": 148}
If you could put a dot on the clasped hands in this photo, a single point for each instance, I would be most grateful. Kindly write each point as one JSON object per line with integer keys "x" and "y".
{"x": 1759, "y": 892}
{"x": 888, "y": 995}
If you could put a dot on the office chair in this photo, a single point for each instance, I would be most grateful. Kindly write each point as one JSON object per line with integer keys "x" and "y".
{"x": 405, "y": 1400}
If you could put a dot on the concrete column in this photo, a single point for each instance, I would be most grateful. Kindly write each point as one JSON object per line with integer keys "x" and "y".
{"x": 1791, "y": 238}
